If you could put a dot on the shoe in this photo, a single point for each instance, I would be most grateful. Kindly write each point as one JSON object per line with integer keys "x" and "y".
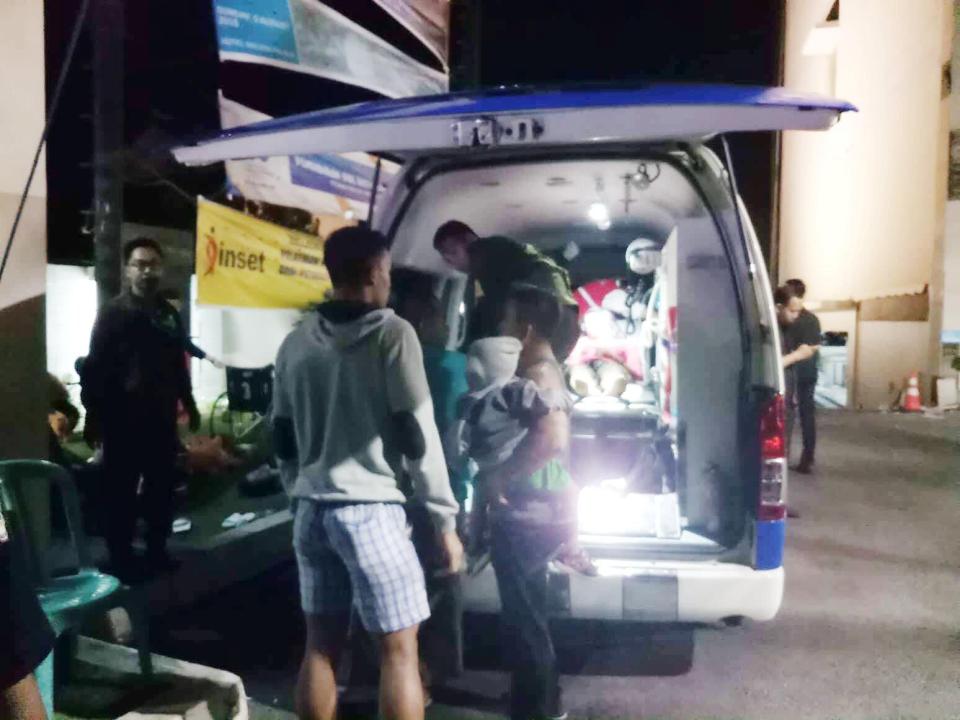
{"x": 804, "y": 468}
{"x": 792, "y": 512}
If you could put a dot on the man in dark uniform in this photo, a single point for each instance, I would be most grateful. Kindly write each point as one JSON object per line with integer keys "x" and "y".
{"x": 25, "y": 635}
{"x": 804, "y": 331}
{"x": 496, "y": 264}
{"x": 133, "y": 379}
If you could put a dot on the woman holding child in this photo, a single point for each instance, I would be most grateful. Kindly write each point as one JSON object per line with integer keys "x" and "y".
{"x": 532, "y": 508}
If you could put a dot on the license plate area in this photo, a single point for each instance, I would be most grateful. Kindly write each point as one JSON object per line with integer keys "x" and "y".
{"x": 651, "y": 597}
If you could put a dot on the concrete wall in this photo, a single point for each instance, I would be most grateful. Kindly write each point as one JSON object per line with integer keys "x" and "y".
{"x": 23, "y": 390}
{"x": 888, "y": 350}
{"x": 862, "y": 206}
{"x": 239, "y": 337}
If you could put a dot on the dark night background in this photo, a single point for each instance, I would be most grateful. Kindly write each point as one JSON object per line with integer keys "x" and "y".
{"x": 172, "y": 78}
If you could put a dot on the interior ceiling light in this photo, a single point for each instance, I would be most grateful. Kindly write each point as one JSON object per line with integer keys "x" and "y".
{"x": 557, "y": 181}
{"x": 598, "y": 212}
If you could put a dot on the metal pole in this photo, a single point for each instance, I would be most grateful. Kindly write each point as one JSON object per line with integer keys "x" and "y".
{"x": 108, "y": 31}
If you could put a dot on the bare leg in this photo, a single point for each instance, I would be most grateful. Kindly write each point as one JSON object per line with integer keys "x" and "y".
{"x": 401, "y": 694}
{"x": 316, "y": 693}
{"x": 22, "y": 701}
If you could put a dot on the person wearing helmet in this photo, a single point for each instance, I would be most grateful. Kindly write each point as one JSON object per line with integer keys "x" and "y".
{"x": 642, "y": 259}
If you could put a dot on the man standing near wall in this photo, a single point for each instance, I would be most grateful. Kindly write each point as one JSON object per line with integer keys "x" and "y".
{"x": 132, "y": 382}
{"x": 804, "y": 331}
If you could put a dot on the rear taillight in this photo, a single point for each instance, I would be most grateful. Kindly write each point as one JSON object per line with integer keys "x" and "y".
{"x": 773, "y": 462}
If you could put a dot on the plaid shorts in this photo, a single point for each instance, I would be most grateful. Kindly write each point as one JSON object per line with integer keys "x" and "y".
{"x": 362, "y": 555}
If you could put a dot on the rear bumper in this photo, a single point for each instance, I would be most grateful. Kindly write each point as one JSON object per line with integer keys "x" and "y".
{"x": 651, "y": 592}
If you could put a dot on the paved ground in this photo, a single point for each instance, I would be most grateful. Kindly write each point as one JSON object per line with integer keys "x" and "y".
{"x": 870, "y": 626}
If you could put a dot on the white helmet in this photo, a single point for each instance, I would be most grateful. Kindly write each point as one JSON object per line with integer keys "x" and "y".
{"x": 643, "y": 256}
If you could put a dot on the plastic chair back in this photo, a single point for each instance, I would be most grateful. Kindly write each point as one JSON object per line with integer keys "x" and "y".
{"x": 16, "y": 476}
{"x": 250, "y": 389}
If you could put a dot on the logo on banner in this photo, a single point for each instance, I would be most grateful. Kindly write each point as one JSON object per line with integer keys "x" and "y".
{"x": 211, "y": 253}
{"x": 219, "y": 255}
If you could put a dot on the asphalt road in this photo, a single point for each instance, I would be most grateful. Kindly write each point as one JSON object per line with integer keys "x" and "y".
{"x": 870, "y": 626}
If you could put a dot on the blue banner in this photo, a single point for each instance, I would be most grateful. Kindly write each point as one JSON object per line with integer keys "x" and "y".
{"x": 333, "y": 174}
{"x": 307, "y": 36}
{"x": 260, "y": 28}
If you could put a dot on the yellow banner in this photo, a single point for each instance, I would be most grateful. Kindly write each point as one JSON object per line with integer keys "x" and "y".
{"x": 246, "y": 262}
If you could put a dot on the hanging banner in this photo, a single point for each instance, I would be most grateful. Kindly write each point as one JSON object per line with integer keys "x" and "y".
{"x": 245, "y": 262}
{"x": 326, "y": 183}
{"x": 427, "y": 20}
{"x": 306, "y": 36}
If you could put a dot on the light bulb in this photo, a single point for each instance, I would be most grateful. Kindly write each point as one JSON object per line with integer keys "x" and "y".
{"x": 598, "y": 212}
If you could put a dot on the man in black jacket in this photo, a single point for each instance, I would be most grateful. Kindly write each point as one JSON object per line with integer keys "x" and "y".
{"x": 133, "y": 379}
{"x": 804, "y": 331}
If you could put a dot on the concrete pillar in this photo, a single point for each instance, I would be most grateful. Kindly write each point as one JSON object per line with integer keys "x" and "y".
{"x": 23, "y": 407}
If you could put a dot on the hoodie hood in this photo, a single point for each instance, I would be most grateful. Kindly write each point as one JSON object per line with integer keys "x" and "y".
{"x": 492, "y": 362}
{"x": 345, "y": 324}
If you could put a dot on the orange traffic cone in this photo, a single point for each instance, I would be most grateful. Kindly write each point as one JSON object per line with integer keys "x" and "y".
{"x": 911, "y": 398}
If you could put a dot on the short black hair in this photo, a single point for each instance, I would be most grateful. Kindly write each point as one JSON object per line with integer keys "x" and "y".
{"x": 535, "y": 307}
{"x": 449, "y": 229}
{"x": 349, "y": 252}
{"x": 140, "y": 242}
{"x": 798, "y": 286}
{"x": 784, "y": 294}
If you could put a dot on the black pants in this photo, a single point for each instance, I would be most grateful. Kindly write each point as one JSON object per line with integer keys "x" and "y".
{"x": 801, "y": 401}
{"x": 441, "y": 635}
{"x": 519, "y": 554}
{"x": 135, "y": 447}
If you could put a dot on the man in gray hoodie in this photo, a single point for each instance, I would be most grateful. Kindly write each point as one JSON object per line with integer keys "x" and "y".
{"x": 351, "y": 412}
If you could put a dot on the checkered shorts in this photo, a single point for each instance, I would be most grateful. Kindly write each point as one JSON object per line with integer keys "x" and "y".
{"x": 361, "y": 554}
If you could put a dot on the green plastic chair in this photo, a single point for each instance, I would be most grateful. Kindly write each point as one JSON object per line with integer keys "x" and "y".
{"x": 67, "y": 600}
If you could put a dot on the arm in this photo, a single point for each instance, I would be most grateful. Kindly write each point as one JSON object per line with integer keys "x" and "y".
{"x": 193, "y": 349}
{"x": 96, "y": 366}
{"x": 408, "y": 396}
{"x": 185, "y": 386}
{"x": 811, "y": 334}
{"x": 200, "y": 354}
{"x": 804, "y": 352}
{"x": 284, "y": 437}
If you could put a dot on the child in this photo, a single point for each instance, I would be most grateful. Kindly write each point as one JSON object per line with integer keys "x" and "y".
{"x": 494, "y": 419}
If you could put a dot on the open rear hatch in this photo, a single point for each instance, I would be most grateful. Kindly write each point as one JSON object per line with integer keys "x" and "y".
{"x": 509, "y": 117}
